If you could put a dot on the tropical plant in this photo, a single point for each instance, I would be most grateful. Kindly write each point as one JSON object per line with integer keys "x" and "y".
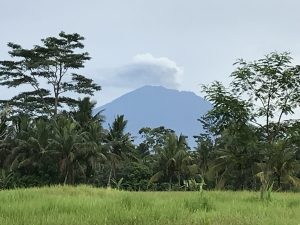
{"x": 49, "y": 71}
{"x": 118, "y": 145}
{"x": 271, "y": 86}
{"x": 70, "y": 145}
{"x": 172, "y": 160}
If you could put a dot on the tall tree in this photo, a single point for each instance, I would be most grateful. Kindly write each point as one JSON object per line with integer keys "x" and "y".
{"x": 70, "y": 144}
{"x": 202, "y": 156}
{"x": 154, "y": 138}
{"x": 92, "y": 124}
{"x": 260, "y": 95}
{"x": 172, "y": 160}
{"x": 3, "y": 124}
{"x": 235, "y": 156}
{"x": 26, "y": 154}
{"x": 271, "y": 86}
{"x": 261, "y": 92}
{"x": 229, "y": 112}
{"x": 47, "y": 72}
{"x": 119, "y": 144}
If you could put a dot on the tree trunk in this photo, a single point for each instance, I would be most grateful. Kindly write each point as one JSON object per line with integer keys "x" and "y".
{"x": 170, "y": 183}
{"x": 55, "y": 104}
{"x": 66, "y": 178}
{"x": 109, "y": 177}
{"x": 279, "y": 181}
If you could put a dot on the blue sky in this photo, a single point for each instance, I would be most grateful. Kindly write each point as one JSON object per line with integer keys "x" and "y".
{"x": 175, "y": 43}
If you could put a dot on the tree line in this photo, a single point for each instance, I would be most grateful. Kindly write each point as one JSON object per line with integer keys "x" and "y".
{"x": 251, "y": 139}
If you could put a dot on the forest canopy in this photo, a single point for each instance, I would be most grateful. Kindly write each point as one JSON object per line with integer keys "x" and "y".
{"x": 47, "y": 137}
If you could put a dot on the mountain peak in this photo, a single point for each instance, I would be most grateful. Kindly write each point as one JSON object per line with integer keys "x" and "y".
{"x": 154, "y": 106}
{"x": 154, "y": 87}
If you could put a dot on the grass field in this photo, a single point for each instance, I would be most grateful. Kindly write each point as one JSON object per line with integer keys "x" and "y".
{"x": 85, "y": 205}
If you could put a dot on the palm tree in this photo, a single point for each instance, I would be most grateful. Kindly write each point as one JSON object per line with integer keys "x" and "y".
{"x": 4, "y": 151}
{"x": 30, "y": 143}
{"x": 202, "y": 155}
{"x": 26, "y": 151}
{"x": 69, "y": 143}
{"x": 283, "y": 162}
{"x": 235, "y": 156}
{"x": 173, "y": 159}
{"x": 92, "y": 124}
{"x": 95, "y": 152}
{"x": 118, "y": 144}
{"x": 84, "y": 115}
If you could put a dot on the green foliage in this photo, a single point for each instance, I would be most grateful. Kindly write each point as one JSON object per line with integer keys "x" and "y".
{"x": 272, "y": 88}
{"x": 154, "y": 139}
{"x": 173, "y": 159}
{"x": 53, "y": 63}
{"x": 47, "y": 137}
{"x": 69, "y": 143}
{"x": 118, "y": 145}
{"x": 247, "y": 121}
{"x": 83, "y": 205}
{"x": 40, "y": 151}
{"x": 199, "y": 203}
{"x": 136, "y": 175}
{"x": 118, "y": 183}
{"x": 229, "y": 111}
{"x": 193, "y": 185}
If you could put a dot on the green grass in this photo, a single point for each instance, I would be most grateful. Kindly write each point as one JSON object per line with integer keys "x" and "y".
{"x": 85, "y": 205}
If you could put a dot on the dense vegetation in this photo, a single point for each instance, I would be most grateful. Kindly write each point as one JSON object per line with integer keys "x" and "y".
{"x": 47, "y": 137}
{"x": 85, "y": 205}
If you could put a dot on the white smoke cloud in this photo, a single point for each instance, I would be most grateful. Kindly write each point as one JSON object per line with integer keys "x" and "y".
{"x": 145, "y": 69}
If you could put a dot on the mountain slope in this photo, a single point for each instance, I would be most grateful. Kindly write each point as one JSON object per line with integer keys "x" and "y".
{"x": 153, "y": 106}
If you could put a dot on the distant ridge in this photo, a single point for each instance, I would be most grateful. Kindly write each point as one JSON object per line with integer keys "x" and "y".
{"x": 154, "y": 106}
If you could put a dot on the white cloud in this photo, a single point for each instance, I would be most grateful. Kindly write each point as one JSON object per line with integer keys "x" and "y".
{"x": 162, "y": 61}
{"x": 145, "y": 69}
